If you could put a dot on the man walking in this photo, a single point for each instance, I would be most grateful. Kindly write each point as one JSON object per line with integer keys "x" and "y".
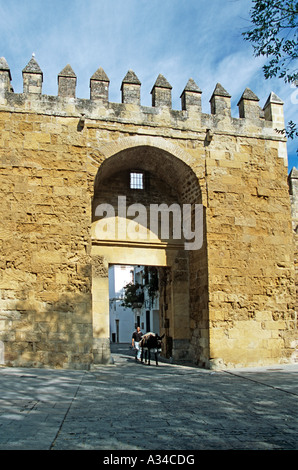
{"x": 136, "y": 338}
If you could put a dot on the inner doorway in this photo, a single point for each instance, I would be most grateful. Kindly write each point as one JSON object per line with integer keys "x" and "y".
{"x": 137, "y": 298}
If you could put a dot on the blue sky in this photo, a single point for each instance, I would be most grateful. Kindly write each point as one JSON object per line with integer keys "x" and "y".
{"x": 177, "y": 38}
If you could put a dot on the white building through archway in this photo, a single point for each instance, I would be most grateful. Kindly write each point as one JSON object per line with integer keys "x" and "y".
{"x": 123, "y": 319}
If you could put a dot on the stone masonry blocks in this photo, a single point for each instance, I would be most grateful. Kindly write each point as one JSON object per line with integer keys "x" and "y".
{"x": 239, "y": 307}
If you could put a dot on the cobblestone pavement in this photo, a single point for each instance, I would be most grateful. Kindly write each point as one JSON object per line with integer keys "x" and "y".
{"x": 130, "y": 406}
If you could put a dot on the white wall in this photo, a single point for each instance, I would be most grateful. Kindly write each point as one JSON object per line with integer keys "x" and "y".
{"x": 119, "y": 276}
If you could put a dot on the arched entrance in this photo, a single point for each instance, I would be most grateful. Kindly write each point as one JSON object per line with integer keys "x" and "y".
{"x": 147, "y": 206}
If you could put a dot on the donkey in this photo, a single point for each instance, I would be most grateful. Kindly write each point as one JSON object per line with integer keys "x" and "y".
{"x": 150, "y": 342}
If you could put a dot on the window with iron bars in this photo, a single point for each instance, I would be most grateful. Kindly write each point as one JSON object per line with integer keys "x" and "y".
{"x": 136, "y": 180}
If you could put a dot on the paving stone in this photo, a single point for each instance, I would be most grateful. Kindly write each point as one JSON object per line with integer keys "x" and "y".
{"x": 132, "y": 407}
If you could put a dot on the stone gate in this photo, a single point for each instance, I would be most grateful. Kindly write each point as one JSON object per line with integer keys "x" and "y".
{"x": 229, "y": 302}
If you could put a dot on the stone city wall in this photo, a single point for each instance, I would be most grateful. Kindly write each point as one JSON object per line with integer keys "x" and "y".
{"x": 53, "y": 152}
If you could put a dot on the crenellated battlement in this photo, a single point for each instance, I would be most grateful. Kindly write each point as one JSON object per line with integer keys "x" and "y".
{"x": 259, "y": 120}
